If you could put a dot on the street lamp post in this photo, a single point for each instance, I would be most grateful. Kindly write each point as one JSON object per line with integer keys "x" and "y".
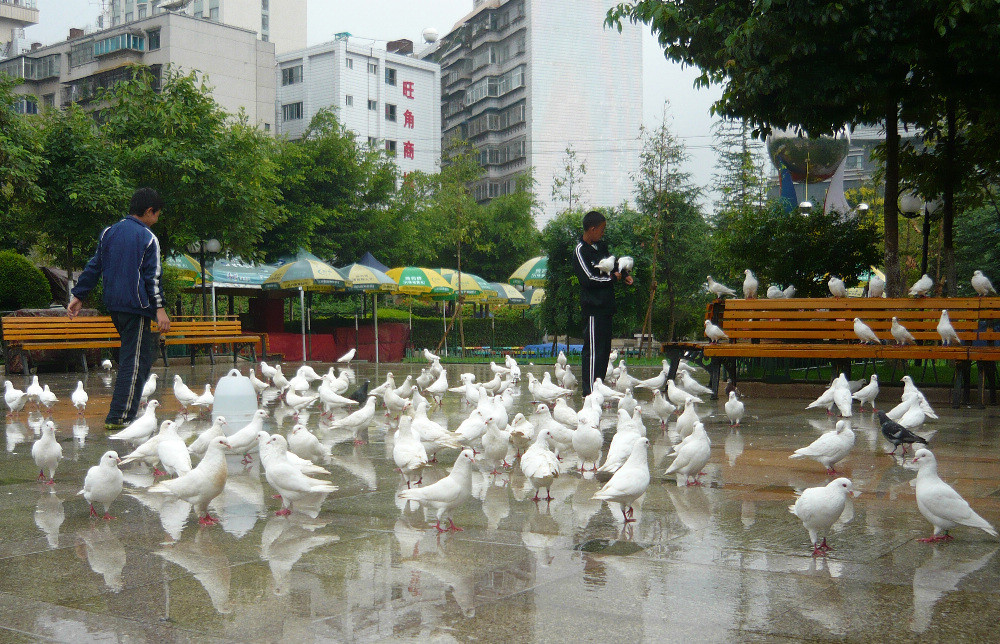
{"x": 911, "y": 204}
{"x": 211, "y": 246}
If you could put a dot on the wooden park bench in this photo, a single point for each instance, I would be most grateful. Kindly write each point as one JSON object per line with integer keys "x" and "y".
{"x": 823, "y": 329}
{"x": 21, "y": 335}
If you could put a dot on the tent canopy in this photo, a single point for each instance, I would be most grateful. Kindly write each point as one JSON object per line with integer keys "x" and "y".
{"x": 369, "y": 260}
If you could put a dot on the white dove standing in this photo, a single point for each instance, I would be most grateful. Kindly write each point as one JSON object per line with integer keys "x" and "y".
{"x": 243, "y": 440}
{"x": 629, "y": 481}
{"x": 719, "y": 289}
{"x": 982, "y": 284}
{"x": 714, "y": 332}
{"x": 836, "y": 286}
{"x": 900, "y": 333}
{"x": 149, "y": 388}
{"x": 842, "y": 397}
{"x": 734, "y": 409}
{"x": 304, "y": 444}
{"x": 587, "y": 443}
{"x": 47, "y": 453}
{"x": 687, "y": 419}
{"x": 106, "y": 365}
{"x": 200, "y": 444}
{"x": 540, "y": 465}
{"x": 357, "y": 421}
{"x": 940, "y": 503}
{"x": 496, "y": 445}
{"x": 48, "y": 398}
{"x": 922, "y": 286}
{"x": 34, "y": 391}
{"x": 606, "y": 265}
{"x": 103, "y": 484}
{"x": 946, "y": 330}
{"x": 819, "y": 508}
{"x": 267, "y": 370}
{"x": 448, "y": 493}
{"x": 438, "y": 388}
{"x": 678, "y": 396}
{"x": 865, "y": 332}
{"x": 15, "y": 398}
{"x": 258, "y": 384}
{"x": 79, "y": 397}
{"x": 774, "y": 293}
{"x": 286, "y": 478}
{"x": 142, "y": 427}
{"x": 203, "y": 483}
{"x": 868, "y": 393}
{"x": 171, "y": 450}
{"x": 347, "y": 357}
{"x": 408, "y": 452}
{"x": 183, "y": 393}
{"x": 876, "y": 286}
{"x": 830, "y": 448}
{"x": 687, "y": 382}
{"x": 661, "y": 407}
{"x": 749, "y": 285}
{"x": 205, "y": 400}
{"x": 692, "y": 455}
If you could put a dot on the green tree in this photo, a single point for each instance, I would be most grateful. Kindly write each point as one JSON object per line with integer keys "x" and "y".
{"x": 216, "y": 172}
{"x": 20, "y": 162}
{"x": 568, "y": 186}
{"x": 508, "y": 235}
{"x": 84, "y": 191}
{"x": 740, "y": 179}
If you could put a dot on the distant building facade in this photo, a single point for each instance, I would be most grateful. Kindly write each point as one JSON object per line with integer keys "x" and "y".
{"x": 238, "y": 66}
{"x": 388, "y": 99}
{"x": 522, "y": 80}
{"x": 15, "y": 15}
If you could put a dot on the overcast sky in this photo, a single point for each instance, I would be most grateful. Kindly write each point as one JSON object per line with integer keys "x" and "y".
{"x": 392, "y": 19}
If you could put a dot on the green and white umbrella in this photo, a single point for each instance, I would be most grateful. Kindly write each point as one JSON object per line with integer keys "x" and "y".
{"x": 509, "y": 296}
{"x": 534, "y": 296}
{"x": 531, "y": 273}
{"x": 473, "y": 288}
{"x": 419, "y": 281}
{"x": 370, "y": 280}
{"x": 187, "y": 266}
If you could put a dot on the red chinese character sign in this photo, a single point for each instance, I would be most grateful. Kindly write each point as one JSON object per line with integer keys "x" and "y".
{"x": 408, "y": 150}
{"x": 408, "y": 119}
{"x": 408, "y": 89}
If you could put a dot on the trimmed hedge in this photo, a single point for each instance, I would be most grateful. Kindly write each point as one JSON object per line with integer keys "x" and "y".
{"x": 427, "y": 331}
{"x": 22, "y": 284}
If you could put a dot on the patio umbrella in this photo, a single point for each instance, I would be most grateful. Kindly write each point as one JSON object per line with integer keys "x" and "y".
{"x": 306, "y": 273}
{"x": 189, "y": 268}
{"x": 367, "y": 279}
{"x": 534, "y": 296}
{"x": 531, "y": 273}
{"x": 234, "y": 273}
{"x": 422, "y": 282}
{"x": 508, "y": 295}
{"x": 472, "y": 287}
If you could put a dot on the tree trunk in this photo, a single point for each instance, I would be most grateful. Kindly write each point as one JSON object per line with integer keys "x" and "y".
{"x": 69, "y": 270}
{"x": 647, "y": 324}
{"x": 893, "y": 276}
{"x": 948, "y": 220}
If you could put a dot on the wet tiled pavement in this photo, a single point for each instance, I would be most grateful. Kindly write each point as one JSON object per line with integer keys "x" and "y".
{"x": 718, "y": 563}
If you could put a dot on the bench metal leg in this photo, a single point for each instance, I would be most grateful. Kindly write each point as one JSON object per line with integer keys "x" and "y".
{"x": 211, "y": 354}
{"x": 83, "y": 360}
{"x": 961, "y": 391}
{"x": 674, "y": 355}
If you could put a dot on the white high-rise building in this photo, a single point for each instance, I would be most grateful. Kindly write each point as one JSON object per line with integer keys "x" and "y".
{"x": 385, "y": 96}
{"x": 282, "y": 22}
{"x": 15, "y": 15}
{"x": 523, "y": 80}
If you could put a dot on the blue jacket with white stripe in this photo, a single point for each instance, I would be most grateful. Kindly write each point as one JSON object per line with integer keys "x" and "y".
{"x": 597, "y": 290}
{"x": 128, "y": 260}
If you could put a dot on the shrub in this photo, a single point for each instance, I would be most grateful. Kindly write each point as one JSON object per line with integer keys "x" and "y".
{"x": 22, "y": 284}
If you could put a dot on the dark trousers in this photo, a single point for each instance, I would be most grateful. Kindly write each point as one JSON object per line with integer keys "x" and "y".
{"x": 596, "y": 349}
{"x": 135, "y": 358}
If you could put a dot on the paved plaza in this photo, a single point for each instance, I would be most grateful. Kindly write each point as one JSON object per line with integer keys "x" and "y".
{"x": 724, "y": 562}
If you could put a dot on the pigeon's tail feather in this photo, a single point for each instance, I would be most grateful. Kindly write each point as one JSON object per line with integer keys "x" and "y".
{"x": 791, "y": 509}
{"x": 797, "y": 455}
{"x": 976, "y": 521}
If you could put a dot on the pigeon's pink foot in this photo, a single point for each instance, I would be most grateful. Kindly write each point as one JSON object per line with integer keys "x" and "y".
{"x": 831, "y": 471}
{"x": 358, "y": 441}
{"x": 207, "y": 521}
{"x": 41, "y": 475}
{"x": 50, "y": 482}
{"x": 824, "y": 546}
{"x": 505, "y": 464}
{"x": 819, "y": 552}
{"x": 108, "y": 517}
{"x": 420, "y": 480}
{"x": 276, "y": 496}
{"x": 453, "y": 527}
{"x": 93, "y": 512}
{"x": 829, "y": 413}
{"x": 283, "y": 512}
{"x": 936, "y": 538}
{"x": 438, "y": 527}
{"x": 157, "y": 472}
{"x": 536, "y": 498}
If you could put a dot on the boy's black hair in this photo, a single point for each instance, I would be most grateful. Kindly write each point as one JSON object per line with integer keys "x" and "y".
{"x": 593, "y": 219}
{"x": 142, "y": 200}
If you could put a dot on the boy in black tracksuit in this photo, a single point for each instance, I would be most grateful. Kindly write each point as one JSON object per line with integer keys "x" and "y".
{"x": 597, "y": 298}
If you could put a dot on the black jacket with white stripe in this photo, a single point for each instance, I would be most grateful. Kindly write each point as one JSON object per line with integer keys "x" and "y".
{"x": 597, "y": 290}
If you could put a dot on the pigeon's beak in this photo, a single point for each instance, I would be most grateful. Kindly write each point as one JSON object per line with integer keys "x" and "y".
{"x": 855, "y": 493}
{"x": 227, "y": 445}
{"x": 118, "y": 460}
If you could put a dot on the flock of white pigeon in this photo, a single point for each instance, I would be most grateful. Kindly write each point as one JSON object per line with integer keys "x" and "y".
{"x": 876, "y": 288}
{"x": 492, "y": 436}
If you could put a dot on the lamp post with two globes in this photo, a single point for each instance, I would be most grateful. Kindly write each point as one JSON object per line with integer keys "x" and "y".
{"x": 210, "y": 246}
{"x": 910, "y": 205}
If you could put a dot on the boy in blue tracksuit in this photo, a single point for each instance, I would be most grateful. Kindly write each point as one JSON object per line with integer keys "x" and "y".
{"x": 597, "y": 298}
{"x": 128, "y": 260}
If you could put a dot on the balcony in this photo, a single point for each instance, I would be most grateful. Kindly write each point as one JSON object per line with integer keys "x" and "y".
{"x": 22, "y": 12}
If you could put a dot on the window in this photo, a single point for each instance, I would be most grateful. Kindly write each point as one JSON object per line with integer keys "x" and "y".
{"x": 213, "y": 14}
{"x": 264, "y": 23}
{"x": 267, "y": 127}
{"x": 390, "y": 112}
{"x": 349, "y": 101}
{"x": 854, "y": 163}
{"x": 349, "y": 63}
{"x": 291, "y": 75}
{"x": 142, "y": 11}
{"x": 264, "y": 5}
{"x": 372, "y": 68}
{"x": 291, "y": 111}
{"x": 390, "y": 147}
{"x": 26, "y": 105}
{"x": 128, "y": 17}
{"x": 49, "y": 100}
{"x": 372, "y": 141}
{"x": 116, "y": 43}
{"x": 390, "y": 76}
{"x": 153, "y": 38}
{"x": 372, "y": 105}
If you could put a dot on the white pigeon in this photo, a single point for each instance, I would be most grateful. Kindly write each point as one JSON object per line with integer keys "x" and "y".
{"x": 714, "y": 332}
{"x": 47, "y": 453}
{"x": 496, "y": 445}
{"x": 433, "y": 435}
{"x": 543, "y": 392}
{"x": 34, "y": 391}
{"x": 286, "y": 478}
{"x": 719, "y": 289}
{"x": 842, "y": 397}
{"x": 471, "y": 430}
{"x": 628, "y": 403}
{"x": 605, "y": 391}
{"x": 749, "y": 285}
{"x": 79, "y": 397}
{"x": 661, "y": 407}
{"x": 244, "y": 439}
{"x": 171, "y": 450}
{"x": 299, "y": 383}
{"x": 914, "y": 415}
{"x": 438, "y": 388}
{"x": 940, "y": 503}
{"x": 561, "y": 359}
{"x": 946, "y": 330}
{"x": 837, "y": 287}
{"x": 522, "y": 433}
{"x": 734, "y": 409}
{"x": 655, "y": 383}
{"x": 203, "y": 483}
{"x": 774, "y": 293}
{"x": 687, "y": 419}
{"x": 106, "y": 365}
{"x": 408, "y": 452}
{"x": 183, "y": 393}
{"x": 865, "y": 332}
{"x": 142, "y": 427}
{"x": 304, "y": 444}
{"x": 568, "y": 380}
{"x": 820, "y": 507}
{"x": 621, "y": 447}
{"x": 430, "y": 356}
{"x": 982, "y": 284}
{"x": 629, "y": 481}
{"x": 587, "y": 443}
{"x": 445, "y": 495}
{"x": 298, "y": 402}
{"x": 200, "y": 444}
{"x": 922, "y": 286}
{"x": 267, "y": 370}
{"x": 606, "y": 265}
{"x": 149, "y": 388}
{"x": 358, "y": 420}
{"x": 625, "y": 264}
{"x": 692, "y": 455}
{"x": 829, "y": 448}
{"x": 15, "y": 398}
{"x": 876, "y": 286}
{"x": 564, "y": 414}
{"x": 789, "y": 291}
{"x": 48, "y": 398}
{"x": 687, "y": 382}
{"x": 278, "y": 379}
{"x": 900, "y": 333}
{"x": 103, "y": 483}
{"x": 258, "y": 384}
{"x": 347, "y": 357}
{"x": 206, "y": 399}
{"x": 868, "y": 393}
{"x": 540, "y": 465}
{"x": 332, "y": 399}
{"x": 678, "y": 396}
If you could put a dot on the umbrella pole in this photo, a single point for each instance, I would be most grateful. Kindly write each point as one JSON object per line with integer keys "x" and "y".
{"x": 214, "y": 315}
{"x": 302, "y": 303}
{"x": 375, "y": 310}
{"x": 444, "y": 325}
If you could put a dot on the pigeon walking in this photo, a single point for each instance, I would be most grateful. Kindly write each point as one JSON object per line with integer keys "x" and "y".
{"x": 629, "y": 481}
{"x": 897, "y": 434}
{"x": 830, "y": 448}
{"x": 819, "y": 508}
{"x": 719, "y": 289}
{"x": 103, "y": 484}
{"x": 940, "y": 503}
{"x": 447, "y": 494}
{"x": 868, "y": 393}
{"x": 47, "y": 453}
{"x": 79, "y": 398}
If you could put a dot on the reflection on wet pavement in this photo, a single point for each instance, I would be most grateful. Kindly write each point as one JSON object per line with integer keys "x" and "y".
{"x": 725, "y": 561}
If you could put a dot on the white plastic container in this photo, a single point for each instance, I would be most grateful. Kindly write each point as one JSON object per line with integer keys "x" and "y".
{"x": 236, "y": 399}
